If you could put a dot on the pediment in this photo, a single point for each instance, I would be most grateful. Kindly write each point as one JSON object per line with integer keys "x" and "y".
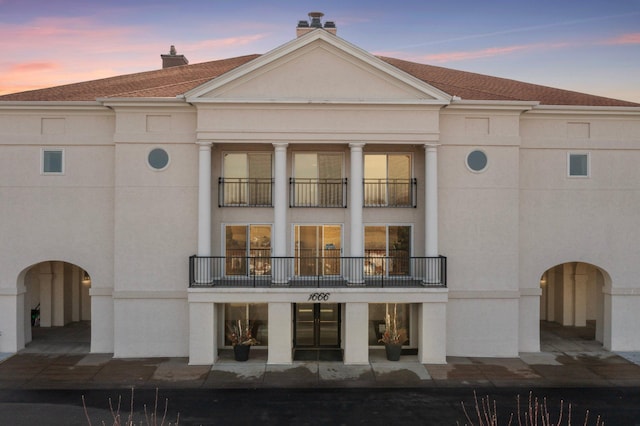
{"x": 318, "y": 67}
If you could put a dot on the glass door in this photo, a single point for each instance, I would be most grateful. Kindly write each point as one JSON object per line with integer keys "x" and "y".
{"x": 318, "y": 249}
{"x": 317, "y": 325}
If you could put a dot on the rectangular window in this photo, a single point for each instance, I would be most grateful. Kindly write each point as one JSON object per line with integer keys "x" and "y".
{"x": 318, "y": 180}
{"x": 53, "y": 161}
{"x": 387, "y": 180}
{"x": 247, "y": 179}
{"x": 387, "y": 250}
{"x": 248, "y": 249}
{"x": 377, "y": 314}
{"x": 252, "y": 316}
{"x": 578, "y": 164}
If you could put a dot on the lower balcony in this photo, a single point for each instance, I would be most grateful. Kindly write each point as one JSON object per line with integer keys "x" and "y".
{"x": 318, "y": 271}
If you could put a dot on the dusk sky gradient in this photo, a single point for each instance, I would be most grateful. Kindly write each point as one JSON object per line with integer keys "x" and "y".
{"x": 590, "y": 46}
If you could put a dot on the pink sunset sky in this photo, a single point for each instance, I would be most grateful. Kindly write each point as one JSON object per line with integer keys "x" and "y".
{"x": 586, "y": 46}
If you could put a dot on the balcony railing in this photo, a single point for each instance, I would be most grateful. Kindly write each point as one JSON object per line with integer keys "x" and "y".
{"x": 317, "y": 192}
{"x": 318, "y": 271}
{"x": 241, "y": 192}
{"x": 390, "y": 192}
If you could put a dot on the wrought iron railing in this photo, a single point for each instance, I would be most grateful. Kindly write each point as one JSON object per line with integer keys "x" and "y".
{"x": 241, "y": 192}
{"x": 317, "y": 192}
{"x": 317, "y": 271}
{"x": 390, "y": 192}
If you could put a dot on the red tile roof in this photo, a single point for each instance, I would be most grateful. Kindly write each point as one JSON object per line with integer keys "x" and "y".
{"x": 174, "y": 81}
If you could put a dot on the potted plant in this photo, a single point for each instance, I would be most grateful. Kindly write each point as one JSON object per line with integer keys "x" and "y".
{"x": 241, "y": 339}
{"x": 393, "y": 337}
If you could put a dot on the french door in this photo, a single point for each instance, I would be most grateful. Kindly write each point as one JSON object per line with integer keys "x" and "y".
{"x": 317, "y": 249}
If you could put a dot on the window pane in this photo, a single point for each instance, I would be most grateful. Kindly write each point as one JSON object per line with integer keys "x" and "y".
{"x": 399, "y": 249}
{"x": 578, "y": 165}
{"x": 235, "y": 165}
{"x": 375, "y": 249}
{"x": 330, "y": 175}
{"x": 52, "y": 162}
{"x": 259, "y": 179}
{"x": 399, "y": 167}
{"x": 260, "y": 249}
{"x": 375, "y": 175}
{"x": 258, "y": 320}
{"x": 377, "y": 312}
{"x": 236, "y": 249}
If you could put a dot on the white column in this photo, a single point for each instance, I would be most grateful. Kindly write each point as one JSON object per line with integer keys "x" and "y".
{"x": 580, "y": 300}
{"x": 356, "y": 199}
{"x": 432, "y": 342}
{"x": 356, "y": 343}
{"x": 280, "y": 334}
{"x": 431, "y": 200}
{"x": 46, "y": 291}
{"x": 280, "y": 202}
{"x": 75, "y": 293}
{"x": 280, "y": 206}
{"x": 202, "y": 334}
{"x": 204, "y": 199}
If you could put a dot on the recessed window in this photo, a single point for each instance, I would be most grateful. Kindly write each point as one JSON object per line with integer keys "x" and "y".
{"x": 158, "y": 158}
{"x": 52, "y": 161}
{"x": 578, "y": 164}
{"x": 477, "y": 161}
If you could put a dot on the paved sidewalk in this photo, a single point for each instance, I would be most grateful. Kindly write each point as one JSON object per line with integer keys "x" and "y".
{"x": 100, "y": 371}
{"x": 59, "y": 360}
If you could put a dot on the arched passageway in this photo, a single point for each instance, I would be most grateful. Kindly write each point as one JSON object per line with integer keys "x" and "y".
{"x": 57, "y": 308}
{"x": 572, "y": 308}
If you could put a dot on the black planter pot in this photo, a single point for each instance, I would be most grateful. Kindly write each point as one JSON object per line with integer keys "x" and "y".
{"x": 241, "y": 352}
{"x": 393, "y": 351}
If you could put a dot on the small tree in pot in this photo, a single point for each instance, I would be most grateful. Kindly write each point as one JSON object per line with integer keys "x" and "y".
{"x": 241, "y": 338}
{"x": 393, "y": 337}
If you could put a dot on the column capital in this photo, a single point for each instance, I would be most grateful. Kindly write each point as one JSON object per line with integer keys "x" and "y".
{"x": 431, "y": 146}
{"x": 205, "y": 144}
{"x": 356, "y": 145}
{"x": 280, "y": 145}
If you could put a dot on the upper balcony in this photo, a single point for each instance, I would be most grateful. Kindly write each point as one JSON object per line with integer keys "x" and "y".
{"x": 317, "y": 192}
{"x": 329, "y": 270}
{"x": 247, "y": 192}
{"x": 390, "y": 192}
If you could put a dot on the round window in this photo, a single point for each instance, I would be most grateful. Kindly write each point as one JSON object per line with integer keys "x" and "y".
{"x": 158, "y": 158}
{"x": 477, "y": 161}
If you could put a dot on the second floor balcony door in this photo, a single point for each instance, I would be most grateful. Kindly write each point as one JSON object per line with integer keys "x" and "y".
{"x": 317, "y": 249}
{"x": 318, "y": 180}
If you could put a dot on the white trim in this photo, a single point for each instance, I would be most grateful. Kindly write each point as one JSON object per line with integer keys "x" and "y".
{"x": 305, "y": 40}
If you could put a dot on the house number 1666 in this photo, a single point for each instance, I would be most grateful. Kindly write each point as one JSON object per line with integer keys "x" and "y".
{"x": 319, "y": 297}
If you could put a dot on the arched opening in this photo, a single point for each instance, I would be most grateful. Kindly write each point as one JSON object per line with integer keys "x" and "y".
{"x": 572, "y": 308}
{"x": 57, "y": 314}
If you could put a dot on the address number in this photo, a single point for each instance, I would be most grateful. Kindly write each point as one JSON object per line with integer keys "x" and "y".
{"x": 319, "y": 297}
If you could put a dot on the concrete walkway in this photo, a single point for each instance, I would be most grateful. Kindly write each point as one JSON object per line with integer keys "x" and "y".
{"x": 565, "y": 361}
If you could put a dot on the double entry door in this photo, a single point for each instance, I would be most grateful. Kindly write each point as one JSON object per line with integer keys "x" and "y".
{"x": 317, "y": 325}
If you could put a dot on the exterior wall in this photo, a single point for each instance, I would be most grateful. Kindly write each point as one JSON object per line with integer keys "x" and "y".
{"x": 155, "y": 230}
{"x": 479, "y": 230}
{"x": 65, "y": 217}
{"x": 591, "y": 220}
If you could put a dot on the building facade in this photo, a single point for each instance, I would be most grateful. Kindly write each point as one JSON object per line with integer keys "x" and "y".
{"x": 308, "y": 190}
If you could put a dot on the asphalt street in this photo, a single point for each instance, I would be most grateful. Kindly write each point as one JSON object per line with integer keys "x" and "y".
{"x": 339, "y": 406}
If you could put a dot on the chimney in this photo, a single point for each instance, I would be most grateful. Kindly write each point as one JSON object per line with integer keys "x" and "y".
{"x": 173, "y": 59}
{"x": 314, "y": 23}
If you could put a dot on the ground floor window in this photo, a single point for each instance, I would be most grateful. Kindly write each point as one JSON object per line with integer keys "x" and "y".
{"x": 388, "y": 249}
{"x": 248, "y": 249}
{"x": 255, "y": 316}
{"x": 377, "y": 314}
